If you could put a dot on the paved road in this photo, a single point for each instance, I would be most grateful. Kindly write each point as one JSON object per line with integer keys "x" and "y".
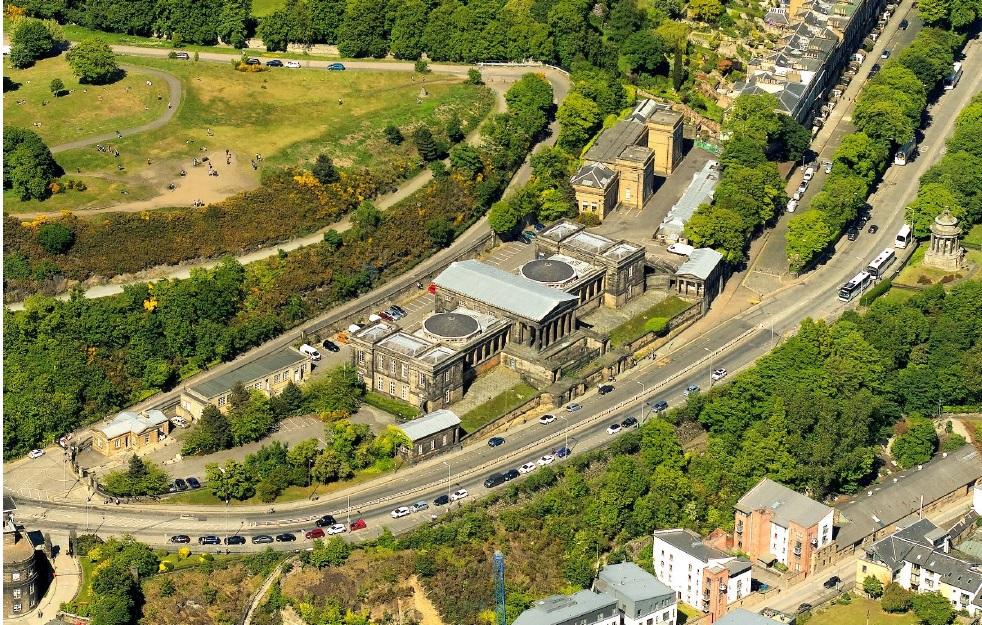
{"x": 175, "y": 93}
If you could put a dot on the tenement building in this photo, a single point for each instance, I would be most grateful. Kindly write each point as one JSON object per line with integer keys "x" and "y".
{"x": 620, "y": 168}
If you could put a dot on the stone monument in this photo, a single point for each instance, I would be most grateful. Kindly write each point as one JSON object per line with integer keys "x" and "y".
{"x": 945, "y": 251}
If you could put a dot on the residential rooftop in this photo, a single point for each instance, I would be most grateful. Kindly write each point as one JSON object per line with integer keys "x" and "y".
{"x": 787, "y": 506}
{"x": 249, "y": 371}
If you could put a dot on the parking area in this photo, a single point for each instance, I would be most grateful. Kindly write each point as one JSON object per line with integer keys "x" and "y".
{"x": 49, "y": 477}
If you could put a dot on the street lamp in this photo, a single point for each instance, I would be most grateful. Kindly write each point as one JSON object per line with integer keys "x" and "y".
{"x": 565, "y": 432}
{"x": 448, "y": 482}
{"x": 710, "y": 365}
{"x": 349, "y": 511}
{"x": 642, "y": 401}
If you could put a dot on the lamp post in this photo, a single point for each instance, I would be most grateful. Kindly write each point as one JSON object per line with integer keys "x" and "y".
{"x": 349, "y": 511}
{"x": 642, "y": 401}
{"x": 710, "y": 366}
{"x": 565, "y": 432}
{"x": 448, "y": 482}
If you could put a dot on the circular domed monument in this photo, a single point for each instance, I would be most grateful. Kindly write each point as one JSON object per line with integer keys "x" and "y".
{"x": 548, "y": 271}
{"x": 451, "y": 326}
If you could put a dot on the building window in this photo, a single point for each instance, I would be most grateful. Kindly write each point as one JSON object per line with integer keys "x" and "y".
{"x": 146, "y": 439}
{"x": 117, "y": 443}
{"x": 276, "y": 378}
{"x": 446, "y": 375}
{"x": 422, "y": 380}
{"x": 221, "y": 401}
{"x": 361, "y": 356}
{"x": 446, "y": 397}
{"x": 392, "y": 388}
{"x": 864, "y": 568}
{"x": 392, "y": 367}
{"x": 379, "y": 384}
{"x": 405, "y": 391}
{"x": 15, "y": 576}
{"x": 16, "y": 607}
{"x": 16, "y": 593}
{"x": 405, "y": 371}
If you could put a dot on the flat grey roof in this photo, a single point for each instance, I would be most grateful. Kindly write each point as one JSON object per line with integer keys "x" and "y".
{"x": 248, "y": 371}
{"x": 700, "y": 263}
{"x": 501, "y": 289}
{"x": 741, "y": 616}
{"x": 612, "y": 141}
{"x": 635, "y": 583}
{"x": 561, "y": 608}
{"x": 429, "y": 424}
{"x": 700, "y": 191}
{"x": 787, "y": 505}
{"x": 405, "y": 344}
{"x": 691, "y": 543}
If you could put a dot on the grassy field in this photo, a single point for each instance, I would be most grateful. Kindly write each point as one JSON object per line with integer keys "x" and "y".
{"x": 497, "y": 406}
{"x": 974, "y": 236}
{"x": 917, "y": 275}
{"x": 855, "y": 613}
{"x": 87, "y": 110}
{"x": 287, "y": 115}
{"x": 262, "y": 8}
{"x": 636, "y": 328}
{"x": 898, "y": 296}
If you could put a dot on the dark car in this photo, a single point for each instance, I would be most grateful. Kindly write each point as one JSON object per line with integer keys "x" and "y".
{"x": 193, "y": 483}
{"x": 211, "y": 539}
{"x": 329, "y": 346}
{"x": 180, "y": 539}
{"x": 606, "y": 388}
{"x": 495, "y": 441}
{"x": 629, "y": 422}
{"x": 180, "y": 484}
{"x": 832, "y": 582}
{"x": 262, "y": 539}
{"x": 274, "y": 63}
{"x": 286, "y": 537}
{"x": 494, "y": 480}
{"x": 358, "y": 524}
{"x": 510, "y": 474}
{"x": 904, "y": 24}
{"x": 658, "y": 406}
{"x": 235, "y": 540}
{"x": 400, "y": 310}
{"x": 336, "y": 67}
{"x": 562, "y": 452}
{"x": 325, "y": 521}
{"x": 314, "y": 533}
{"x": 442, "y": 500}
{"x": 873, "y": 228}
{"x": 853, "y": 233}
{"x": 804, "y": 607}
{"x": 873, "y": 71}
{"x": 253, "y": 61}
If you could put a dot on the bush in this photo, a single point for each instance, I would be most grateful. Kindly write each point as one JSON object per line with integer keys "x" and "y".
{"x": 896, "y": 598}
{"x": 393, "y": 135}
{"x": 873, "y": 587}
{"x": 93, "y": 62}
{"x": 880, "y": 289}
{"x": 422, "y": 66}
{"x": 391, "y": 405}
{"x": 55, "y": 238}
{"x": 57, "y": 87}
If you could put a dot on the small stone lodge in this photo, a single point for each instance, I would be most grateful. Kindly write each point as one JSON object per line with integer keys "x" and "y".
{"x": 128, "y": 431}
{"x": 269, "y": 374}
{"x": 701, "y": 276}
{"x": 430, "y": 434}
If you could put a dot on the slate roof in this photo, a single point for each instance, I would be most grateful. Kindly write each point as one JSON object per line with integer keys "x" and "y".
{"x": 562, "y": 608}
{"x": 501, "y": 289}
{"x": 429, "y": 424}
{"x": 786, "y": 504}
{"x": 633, "y": 582}
{"x": 701, "y": 263}
{"x": 699, "y": 191}
{"x": 741, "y": 616}
{"x": 690, "y": 543}
{"x": 249, "y": 371}
{"x": 901, "y": 495}
{"x": 132, "y": 423}
{"x": 612, "y": 141}
{"x": 595, "y": 175}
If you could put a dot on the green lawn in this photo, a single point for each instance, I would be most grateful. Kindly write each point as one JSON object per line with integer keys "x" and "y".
{"x": 497, "y": 406}
{"x": 974, "y": 236}
{"x": 88, "y": 110}
{"x": 898, "y": 296}
{"x": 856, "y": 613}
{"x": 393, "y": 406}
{"x": 84, "y": 595}
{"x": 650, "y": 319}
{"x": 262, "y": 8}
{"x": 287, "y": 115}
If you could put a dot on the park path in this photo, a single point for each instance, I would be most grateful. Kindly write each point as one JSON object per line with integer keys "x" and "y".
{"x": 175, "y": 93}
{"x": 257, "y": 599}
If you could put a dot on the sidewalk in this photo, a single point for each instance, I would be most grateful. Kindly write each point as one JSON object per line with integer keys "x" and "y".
{"x": 65, "y": 585}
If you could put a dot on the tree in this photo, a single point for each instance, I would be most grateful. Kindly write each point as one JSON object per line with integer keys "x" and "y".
{"x": 233, "y": 22}
{"x": 55, "y": 237}
{"x": 338, "y": 391}
{"x": 324, "y": 170}
{"x": 274, "y": 30}
{"x": 706, "y": 10}
{"x": 934, "y": 12}
{"x": 229, "y": 481}
{"x": 27, "y": 164}
{"x": 754, "y": 115}
{"x": 474, "y": 77}
{"x": 792, "y": 139}
{"x": 362, "y": 32}
{"x": 719, "y": 228}
{"x": 272, "y": 484}
{"x": 808, "y": 236}
{"x": 211, "y": 434}
{"x": 30, "y": 41}
{"x": 93, "y": 62}
{"x": 873, "y": 587}
{"x": 884, "y": 121}
{"x": 366, "y": 218}
{"x": 406, "y": 39}
{"x": 958, "y": 172}
{"x": 579, "y": 118}
{"x": 964, "y": 12}
{"x": 932, "y": 200}
{"x": 896, "y": 598}
{"x": 333, "y": 552}
{"x": 440, "y": 232}
{"x": 678, "y": 68}
{"x": 861, "y": 155}
{"x": 644, "y": 52}
{"x": 932, "y": 608}
{"x": 466, "y": 159}
{"x": 57, "y": 87}
{"x": 554, "y": 204}
{"x": 503, "y": 217}
{"x": 915, "y": 442}
{"x": 426, "y": 144}
{"x": 454, "y": 132}
{"x": 393, "y": 135}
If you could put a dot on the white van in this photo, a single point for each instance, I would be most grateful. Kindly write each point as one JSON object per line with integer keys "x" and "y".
{"x": 310, "y": 351}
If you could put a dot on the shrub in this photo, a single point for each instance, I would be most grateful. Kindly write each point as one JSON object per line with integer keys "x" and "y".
{"x": 880, "y": 289}
{"x": 422, "y": 66}
{"x": 55, "y": 238}
{"x": 896, "y": 598}
{"x": 393, "y": 135}
{"x": 56, "y": 87}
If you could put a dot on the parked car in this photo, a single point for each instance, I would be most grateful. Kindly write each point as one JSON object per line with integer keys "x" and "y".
{"x": 510, "y": 474}
{"x": 419, "y": 506}
{"x": 34, "y": 454}
{"x": 796, "y": 196}
{"x": 792, "y": 205}
{"x": 400, "y": 512}
{"x": 235, "y": 540}
{"x": 546, "y": 459}
{"x": 629, "y": 422}
{"x": 317, "y": 532}
{"x": 873, "y": 71}
{"x": 274, "y": 63}
{"x": 613, "y": 428}
{"x": 546, "y": 419}
{"x": 681, "y": 249}
{"x": 336, "y": 67}
{"x": 605, "y": 388}
{"x": 852, "y": 234}
{"x": 293, "y": 64}
{"x": 832, "y": 582}
{"x": 193, "y": 483}
{"x": 325, "y": 521}
{"x": 802, "y": 188}
{"x": 904, "y": 24}
{"x": 358, "y": 524}
{"x": 330, "y": 346}
{"x": 718, "y": 374}
{"x": 873, "y": 228}
{"x": 180, "y": 484}
{"x": 252, "y": 61}
{"x": 690, "y": 389}
{"x": 528, "y": 467}
{"x": 262, "y": 539}
{"x": 495, "y": 441}
{"x": 285, "y": 537}
{"x": 399, "y": 309}
{"x": 573, "y": 407}
{"x": 385, "y": 315}
{"x": 337, "y": 528}
{"x": 804, "y": 607}
{"x": 442, "y": 500}
{"x": 495, "y": 479}
{"x": 809, "y": 174}
{"x": 885, "y": 55}
{"x": 180, "y": 539}
{"x": 210, "y": 539}
{"x": 459, "y": 494}
{"x": 658, "y": 406}
{"x": 180, "y": 422}
{"x": 828, "y": 167}
{"x": 562, "y": 452}
{"x": 184, "y": 56}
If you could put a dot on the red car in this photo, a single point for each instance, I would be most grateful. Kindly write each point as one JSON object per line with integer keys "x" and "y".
{"x": 358, "y": 525}
{"x": 317, "y": 532}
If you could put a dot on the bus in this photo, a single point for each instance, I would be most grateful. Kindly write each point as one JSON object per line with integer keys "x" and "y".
{"x": 878, "y": 266}
{"x": 904, "y": 237}
{"x": 951, "y": 80}
{"x": 905, "y": 153}
{"x": 856, "y": 286}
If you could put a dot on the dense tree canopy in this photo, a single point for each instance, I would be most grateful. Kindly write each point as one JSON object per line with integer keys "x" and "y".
{"x": 28, "y": 166}
{"x": 93, "y": 62}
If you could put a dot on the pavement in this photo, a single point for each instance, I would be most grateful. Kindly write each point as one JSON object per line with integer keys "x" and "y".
{"x": 65, "y": 584}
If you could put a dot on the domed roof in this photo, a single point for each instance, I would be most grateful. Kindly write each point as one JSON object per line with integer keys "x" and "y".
{"x": 548, "y": 271}
{"x": 946, "y": 224}
{"x": 451, "y": 325}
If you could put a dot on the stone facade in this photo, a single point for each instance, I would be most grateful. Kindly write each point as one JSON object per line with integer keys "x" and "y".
{"x": 23, "y": 581}
{"x": 945, "y": 252}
